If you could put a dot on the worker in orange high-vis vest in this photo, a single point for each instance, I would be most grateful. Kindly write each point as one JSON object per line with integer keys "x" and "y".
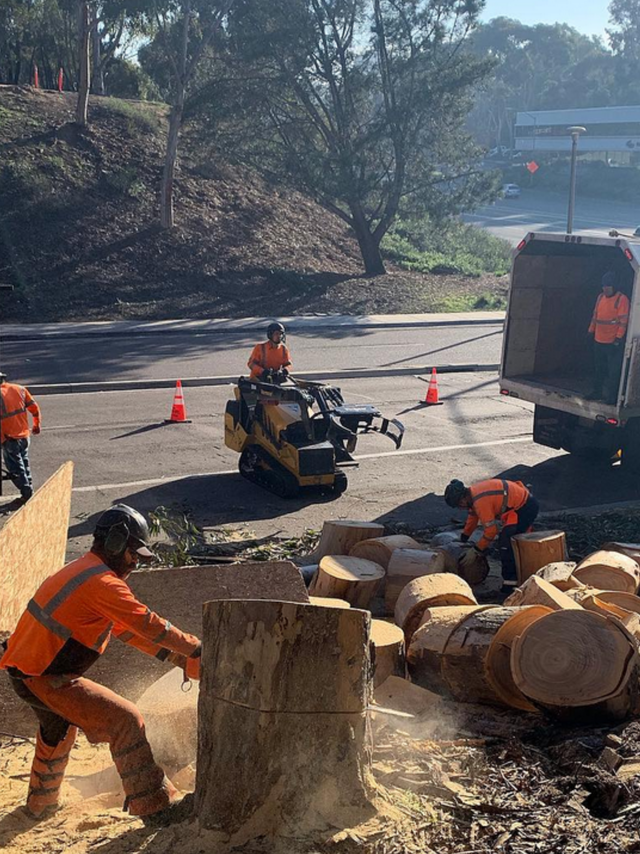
{"x": 65, "y": 628}
{"x": 15, "y": 403}
{"x": 609, "y": 328}
{"x": 500, "y": 507}
{"x": 271, "y": 361}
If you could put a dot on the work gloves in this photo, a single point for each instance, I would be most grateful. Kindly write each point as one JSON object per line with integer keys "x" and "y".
{"x": 190, "y": 665}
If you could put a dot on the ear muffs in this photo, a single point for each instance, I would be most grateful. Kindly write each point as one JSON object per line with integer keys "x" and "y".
{"x": 115, "y": 542}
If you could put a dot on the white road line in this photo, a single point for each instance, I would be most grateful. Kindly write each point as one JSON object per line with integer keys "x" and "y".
{"x": 410, "y": 452}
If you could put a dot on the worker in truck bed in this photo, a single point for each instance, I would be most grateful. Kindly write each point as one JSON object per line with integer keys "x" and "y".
{"x": 609, "y": 328}
{"x": 498, "y": 506}
{"x": 65, "y": 628}
{"x": 272, "y": 355}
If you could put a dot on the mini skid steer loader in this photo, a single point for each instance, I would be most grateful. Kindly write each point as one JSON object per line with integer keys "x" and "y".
{"x": 298, "y": 435}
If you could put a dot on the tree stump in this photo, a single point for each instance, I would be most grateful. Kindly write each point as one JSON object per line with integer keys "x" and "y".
{"x": 572, "y": 662}
{"x": 560, "y": 574}
{"x": 388, "y": 641}
{"x": 427, "y": 592}
{"x": 609, "y": 571}
{"x": 327, "y": 602}
{"x": 466, "y": 660}
{"x": 537, "y": 591}
{"x": 349, "y": 578}
{"x": 404, "y": 566}
{"x": 286, "y": 687}
{"x": 380, "y": 549}
{"x": 339, "y": 535}
{"x": 533, "y": 551}
{"x": 425, "y": 652}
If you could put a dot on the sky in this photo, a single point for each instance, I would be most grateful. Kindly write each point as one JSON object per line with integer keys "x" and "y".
{"x": 587, "y": 16}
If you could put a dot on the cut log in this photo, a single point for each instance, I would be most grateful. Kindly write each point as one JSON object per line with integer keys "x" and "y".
{"x": 288, "y": 686}
{"x": 537, "y": 591}
{"x": 388, "y": 641}
{"x": 594, "y": 600}
{"x": 339, "y": 535}
{"x": 533, "y": 551}
{"x": 631, "y": 550}
{"x": 560, "y": 574}
{"x": 570, "y": 662}
{"x": 326, "y": 602}
{"x": 380, "y": 549}
{"x": 466, "y": 660}
{"x": 498, "y": 661}
{"x": 424, "y": 655}
{"x": 349, "y": 578}
{"x": 426, "y": 592}
{"x": 609, "y": 571}
{"x": 473, "y": 571}
{"x": 628, "y": 601}
{"x": 404, "y": 566}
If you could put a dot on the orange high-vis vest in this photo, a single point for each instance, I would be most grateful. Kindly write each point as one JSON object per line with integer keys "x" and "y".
{"x": 74, "y": 613}
{"x": 610, "y": 318}
{"x": 15, "y": 401}
{"x": 494, "y": 505}
{"x": 268, "y": 357}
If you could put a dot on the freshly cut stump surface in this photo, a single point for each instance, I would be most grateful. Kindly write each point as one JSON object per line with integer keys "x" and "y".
{"x": 609, "y": 571}
{"x": 350, "y": 578}
{"x": 560, "y": 574}
{"x": 628, "y": 601}
{"x": 537, "y": 591}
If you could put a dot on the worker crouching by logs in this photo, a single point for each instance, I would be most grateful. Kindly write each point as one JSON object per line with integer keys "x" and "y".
{"x": 499, "y": 506}
{"x": 63, "y": 631}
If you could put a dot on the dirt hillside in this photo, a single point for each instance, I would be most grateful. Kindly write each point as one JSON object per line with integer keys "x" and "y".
{"x": 78, "y": 234}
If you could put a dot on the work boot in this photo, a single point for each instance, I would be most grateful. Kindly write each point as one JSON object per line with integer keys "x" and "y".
{"x": 176, "y": 813}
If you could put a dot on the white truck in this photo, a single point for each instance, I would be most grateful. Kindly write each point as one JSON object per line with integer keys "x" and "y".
{"x": 547, "y": 353}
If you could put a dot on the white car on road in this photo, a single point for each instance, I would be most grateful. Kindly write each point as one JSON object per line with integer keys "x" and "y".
{"x": 510, "y": 191}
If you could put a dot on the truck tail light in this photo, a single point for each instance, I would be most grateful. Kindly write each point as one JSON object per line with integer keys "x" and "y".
{"x": 521, "y": 245}
{"x": 504, "y": 391}
{"x": 613, "y": 421}
{"x": 629, "y": 254}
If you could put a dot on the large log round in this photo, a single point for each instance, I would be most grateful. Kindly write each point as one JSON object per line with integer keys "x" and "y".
{"x": 537, "y": 591}
{"x": 285, "y": 687}
{"x": 465, "y": 664}
{"x": 571, "y": 660}
{"x": 380, "y": 549}
{"x": 498, "y": 662}
{"x": 533, "y": 551}
{"x": 388, "y": 642}
{"x": 428, "y": 591}
{"x": 404, "y": 566}
{"x": 628, "y": 601}
{"x": 594, "y": 600}
{"x": 609, "y": 571}
{"x": 631, "y": 550}
{"x": 424, "y": 655}
{"x": 560, "y": 574}
{"x": 474, "y": 569}
{"x": 349, "y": 578}
{"x": 340, "y": 535}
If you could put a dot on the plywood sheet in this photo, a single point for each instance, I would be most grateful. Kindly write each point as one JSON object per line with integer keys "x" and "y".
{"x": 33, "y": 543}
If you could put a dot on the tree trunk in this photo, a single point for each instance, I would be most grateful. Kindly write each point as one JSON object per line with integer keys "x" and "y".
{"x": 388, "y": 643}
{"x": 578, "y": 665}
{"x": 279, "y": 690}
{"x": 609, "y": 571}
{"x": 537, "y": 591}
{"x": 369, "y": 246}
{"x": 339, "y": 535}
{"x": 167, "y": 217}
{"x": 404, "y": 566}
{"x": 533, "y": 551}
{"x": 82, "y": 107}
{"x": 349, "y": 578}
{"x": 427, "y": 592}
{"x": 97, "y": 79}
{"x": 380, "y": 549}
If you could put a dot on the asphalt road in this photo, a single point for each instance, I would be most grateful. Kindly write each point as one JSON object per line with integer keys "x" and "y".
{"x": 123, "y": 452}
{"x": 534, "y": 210}
{"x": 151, "y": 356}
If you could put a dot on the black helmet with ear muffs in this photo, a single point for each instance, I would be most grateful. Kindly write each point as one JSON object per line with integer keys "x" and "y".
{"x": 276, "y": 326}
{"x": 121, "y": 528}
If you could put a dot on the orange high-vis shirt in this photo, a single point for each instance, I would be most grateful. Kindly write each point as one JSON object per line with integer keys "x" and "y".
{"x": 15, "y": 401}
{"x": 268, "y": 357}
{"x": 610, "y": 318}
{"x": 69, "y": 621}
{"x": 494, "y": 505}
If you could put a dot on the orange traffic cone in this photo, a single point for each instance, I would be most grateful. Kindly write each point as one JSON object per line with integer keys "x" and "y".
{"x": 432, "y": 397}
{"x": 178, "y": 410}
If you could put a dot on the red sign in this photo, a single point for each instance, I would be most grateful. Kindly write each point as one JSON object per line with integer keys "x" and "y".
{"x": 532, "y": 167}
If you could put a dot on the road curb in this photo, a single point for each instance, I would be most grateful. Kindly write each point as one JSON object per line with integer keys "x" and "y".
{"x": 195, "y": 382}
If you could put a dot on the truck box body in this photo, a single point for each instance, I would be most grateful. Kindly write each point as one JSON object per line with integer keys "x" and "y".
{"x": 547, "y": 355}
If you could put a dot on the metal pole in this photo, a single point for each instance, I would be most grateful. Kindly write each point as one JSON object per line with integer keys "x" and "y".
{"x": 575, "y": 135}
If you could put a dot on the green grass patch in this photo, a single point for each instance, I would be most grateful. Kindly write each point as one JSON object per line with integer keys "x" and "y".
{"x": 446, "y": 247}
{"x": 141, "y": 118}
{"x": 473, "y": 302}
